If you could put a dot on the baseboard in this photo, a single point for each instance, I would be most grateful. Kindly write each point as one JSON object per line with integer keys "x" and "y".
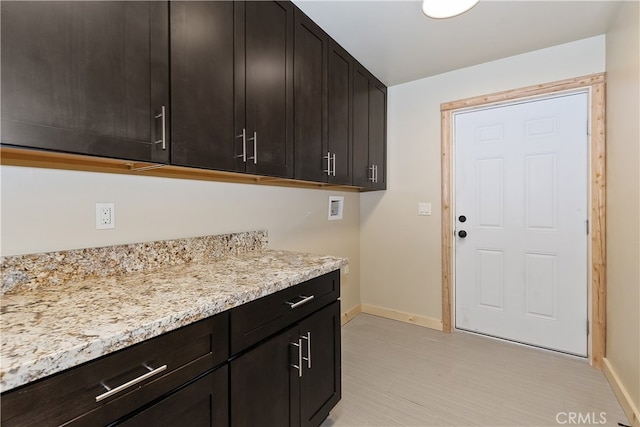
{"x": 628, "y": 405}
{"x": 349, "y": 315}
{"x": 414, "y": 319}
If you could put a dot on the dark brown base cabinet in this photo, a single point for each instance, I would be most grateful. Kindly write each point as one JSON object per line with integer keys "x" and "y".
{"x": 292, "y": 379}
{"x": 203, "y": 403}
{"x": 272, "y": 362}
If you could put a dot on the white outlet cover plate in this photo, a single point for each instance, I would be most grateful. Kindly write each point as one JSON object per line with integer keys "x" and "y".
{"x": 105, "y": 216}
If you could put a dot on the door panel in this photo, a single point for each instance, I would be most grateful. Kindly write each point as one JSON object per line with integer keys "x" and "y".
{"x": 203, "y": 403}
{"x": 202, "y": 55}
{"x": 521, "y": 183}
{"x": 309, "y": 91}
{"x": 261, "y": 389}
{"x": 361, "y": 172}
{"x": 269, "y": 83}
{"x": 85, "y": 77}
{"x": 339, "y": 75}
{"x": 377, "y": 133}
{"x": 320, "y": 384}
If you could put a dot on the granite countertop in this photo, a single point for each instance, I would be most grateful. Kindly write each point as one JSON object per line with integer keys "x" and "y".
{"x": 49, "y": 329}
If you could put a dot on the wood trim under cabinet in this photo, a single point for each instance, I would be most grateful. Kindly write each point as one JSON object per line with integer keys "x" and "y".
{"x": 12, "y": 156}
{"x": 597, "y": 187}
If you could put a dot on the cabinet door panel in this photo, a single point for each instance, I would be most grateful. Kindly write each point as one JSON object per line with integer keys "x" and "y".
{"x": 85, "y": 77}
{"x": 377, "y": 133}
{"x": 339, "y": 75}
{"x": 361, "y": 162}
{"x": 309, "y": 89}
{"x": 261, "y": 385}
{"x": 320, "y": 384}
{"x": 203, "y": 403}
{"x": 202, "y": 93}
{"x": 268, "y": 85}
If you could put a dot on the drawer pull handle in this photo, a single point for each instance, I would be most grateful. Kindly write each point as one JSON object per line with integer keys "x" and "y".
{"x": 110, "y": 392}
{"x": 303, "y": 301}
{"x": 299, "y": 365}
{"x": 243, "y": 135}
{"x": 163, "y": 116}
{"x": 308, "y": 358}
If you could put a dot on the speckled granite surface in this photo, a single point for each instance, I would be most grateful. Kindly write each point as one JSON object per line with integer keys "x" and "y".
{"x": 48, "y": 329}
{"x": 52, "y": 268}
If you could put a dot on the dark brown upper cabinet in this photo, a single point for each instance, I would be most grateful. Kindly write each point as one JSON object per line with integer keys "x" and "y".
{"x": 243, "y": 86}
{"x": 312, "y": 160}
{"x": 322, "y": 105}
{"x": 231, "y": 80}
{"x": 264, "y": 87}
{"x": 369, "y": 130}
{"x": 86, "y": 77}
{"x": 202, "y": 85}
{"x": 339, "y": 114}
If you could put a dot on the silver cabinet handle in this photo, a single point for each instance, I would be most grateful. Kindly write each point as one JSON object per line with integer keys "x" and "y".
{"x": 328, "y": 159}
{"x": 243, "y": 135}
{"x": 255, "y": 148}
{"x": 162, "y": 116}
{"x": 303, "y": 301}
{"x": 376, "y": 173}
{"x": 110, "y": 392}
{"x": 333, "y": 160}
{"x": 299, "y": 365}
{"x": 372, "y": 168}
{"x": 308, "y": 358}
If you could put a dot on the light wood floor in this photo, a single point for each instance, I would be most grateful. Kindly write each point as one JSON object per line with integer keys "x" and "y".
{"x": 397, "y": 374}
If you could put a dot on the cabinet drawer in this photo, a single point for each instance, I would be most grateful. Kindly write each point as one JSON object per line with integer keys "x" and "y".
{"x": 152, "y": 368}
{"x": 257, "y": 320}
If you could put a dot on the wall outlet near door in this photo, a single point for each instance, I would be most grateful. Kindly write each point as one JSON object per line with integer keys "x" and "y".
{"x": 105, "y": 216}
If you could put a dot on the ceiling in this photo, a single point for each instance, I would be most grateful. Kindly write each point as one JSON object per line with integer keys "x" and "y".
{"x": 397, "y": 43}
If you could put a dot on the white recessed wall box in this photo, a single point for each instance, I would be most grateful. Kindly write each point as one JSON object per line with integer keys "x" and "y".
{"x": 336, "y": 205}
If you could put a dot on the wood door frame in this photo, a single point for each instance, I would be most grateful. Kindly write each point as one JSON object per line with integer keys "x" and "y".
{"x": 595, "y": 84}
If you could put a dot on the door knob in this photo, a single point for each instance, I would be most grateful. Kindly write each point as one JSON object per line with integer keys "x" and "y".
{"x": 462, "y": 234}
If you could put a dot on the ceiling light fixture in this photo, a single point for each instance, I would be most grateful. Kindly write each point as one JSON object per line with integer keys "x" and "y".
{"x": 441, "y": 9}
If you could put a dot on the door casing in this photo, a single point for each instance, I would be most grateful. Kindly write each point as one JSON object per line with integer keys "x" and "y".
{"x": 595, "y": 85}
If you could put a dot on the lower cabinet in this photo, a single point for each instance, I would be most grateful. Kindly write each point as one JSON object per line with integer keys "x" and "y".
{"x": 320, "y": 383}
{"x": 203, "y": 403}
{"x": 274, "y": 362}
{"x": 157, "y": 373}
{"x": 291, "y": 379}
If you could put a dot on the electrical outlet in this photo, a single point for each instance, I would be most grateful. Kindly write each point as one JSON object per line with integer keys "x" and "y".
{"x": 105, "y": 216}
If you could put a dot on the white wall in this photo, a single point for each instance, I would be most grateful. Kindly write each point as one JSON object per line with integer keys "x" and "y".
{"x": 400, "y": 251}
{"x": 46, "y": 210}
{"x": 623, "y": 199}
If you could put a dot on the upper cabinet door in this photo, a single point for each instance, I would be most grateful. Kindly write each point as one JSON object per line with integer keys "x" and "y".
{"x": 86, "y": 77}
{"x": 265, "y": 101}
{"x": 202, "y": 80}
{"x": 362, "y": 170}
{"x": 378, "y": 133}
{"x": 369, "y": 130}
{"x": 312, "y": 159}
{"x": 339, "y": 118}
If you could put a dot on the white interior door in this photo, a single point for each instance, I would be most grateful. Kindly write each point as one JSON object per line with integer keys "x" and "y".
{"x": 521, "y": 189}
